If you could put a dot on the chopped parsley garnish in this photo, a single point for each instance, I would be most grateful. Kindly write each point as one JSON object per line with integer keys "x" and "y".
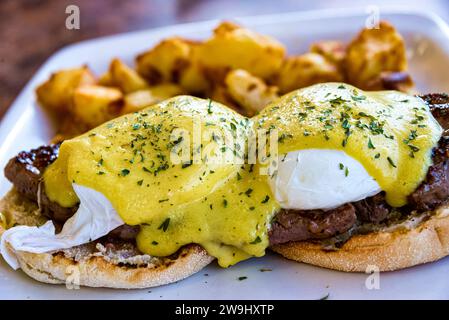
{"x": 358, "y": 98}
{"x": 187, "y": 164}
{"x": 139, "y": 182}
{"x": 341, "y": 166}
{"x": 239, "y": 177}
{"x": 377, "y": 156}
{"x": 256, "y": 241}
{"x": 209, "y": 107}
{"x": 248, "y": 192}
{"x": 346, "y": 171}
{"x": 154, "y": 243}
{"x": 266, "y": 199}
{"x": 391, "y": 162}
{"x": 242, "y": 278}
{"x": 164, "y": 225}
{"x": 370, "y": 144}
{"x": 124, "y": 172}
{"x": 225, "y": 203}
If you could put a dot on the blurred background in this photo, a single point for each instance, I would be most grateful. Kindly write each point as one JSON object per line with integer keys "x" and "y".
{"x": 32, "y": 30}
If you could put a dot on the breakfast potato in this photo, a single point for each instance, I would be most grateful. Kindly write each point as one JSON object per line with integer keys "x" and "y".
{"x": 173, "y": 60}
{"x": 125, "y": 78}
{"x": 56, "y": 93}
{"x": 334, "y": 51}
{"x": 305, "y": 70}
{"x": 93, "y": 104}
{"x": 249, "y": 92}
{"x": 220, "y": 93}
{"x": 140, "y": 99}
{"x": 234, "y": 47}
{"x": 373, "y": 52}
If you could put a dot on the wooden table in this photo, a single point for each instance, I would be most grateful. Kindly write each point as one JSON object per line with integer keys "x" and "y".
{"x": 31, "y": 30}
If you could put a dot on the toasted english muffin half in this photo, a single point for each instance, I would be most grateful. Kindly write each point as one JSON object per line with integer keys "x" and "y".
{"x": 94, "y": 264}
{"x": 419, "y": 239}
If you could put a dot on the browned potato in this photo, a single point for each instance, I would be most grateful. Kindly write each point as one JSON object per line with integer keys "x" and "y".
{"x": 125, "y": 78}
{"x": 334, "y": 51}
{"x": 93, "y": 104}
{"x": 305, "y": 70}
{"x": 138, "y": 100}
{"x": 173, "y": 60}
{"x": 234, "y": 47}
{"x": 249, "y": 92}
{"x": 57, "y": 92}
{"x": 221, "y": 94}
{"x": 105, "y": 80}
{"x": 162, "y": 63}
{"x": 373, "y": 52}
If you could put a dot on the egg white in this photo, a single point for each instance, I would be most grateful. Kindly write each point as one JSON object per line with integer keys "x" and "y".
{"x": 95, "y": 218}
{"x": 320, "y": 179}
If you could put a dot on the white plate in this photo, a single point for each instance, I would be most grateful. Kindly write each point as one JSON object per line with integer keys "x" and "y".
{"x": 26, "y": 126}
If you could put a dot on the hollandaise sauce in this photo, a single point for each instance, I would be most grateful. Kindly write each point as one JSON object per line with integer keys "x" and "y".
{"x": 390, "y": 133}
{"x": 210, "y": 197}
{"x": 179, "y": 169}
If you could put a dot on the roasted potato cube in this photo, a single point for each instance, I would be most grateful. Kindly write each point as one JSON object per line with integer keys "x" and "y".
{"x": 93, "y": 104}
{"x": 164, "y": 62}
{"x": 173, "y": 60}
{"x": 125, "y": 78}
{"x": 334, "y": 51}
{"x": 305, "y": 70}
{"x": 57, "y": 92}
{"x": 220, "y": 93}
{"x": 138, "y": 100}
{"x": 105, "y": 80}
{"x": 373, "y": 52}
{"x": 249, "y": 92}
{"x": 234, "y": 47}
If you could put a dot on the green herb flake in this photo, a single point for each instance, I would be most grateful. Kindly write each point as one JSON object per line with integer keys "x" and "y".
{"x": 266, "y": 199}
{"x": 391, "y": 162}
{"x": 164, "y": 225}
{"x": 124, "y": 172}
{"x": 358, "y": 98}
{"x": 256, "y": 241}
{"x": 209, "y": 107}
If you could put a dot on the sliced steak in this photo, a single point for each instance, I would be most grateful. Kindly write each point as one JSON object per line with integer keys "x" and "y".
{"x": 373, "y": 209}
{"x": 439, "y": 106}
{"x": 25, "y": 172}
{"x": 298, "y": 225}
{"x": 26, "y": 169}
{"x": 434, "y": 190}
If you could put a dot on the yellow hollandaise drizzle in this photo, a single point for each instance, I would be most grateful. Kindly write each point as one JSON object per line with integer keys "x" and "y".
{"x": 227, "y": 206}
{"x": 390, "y": 133}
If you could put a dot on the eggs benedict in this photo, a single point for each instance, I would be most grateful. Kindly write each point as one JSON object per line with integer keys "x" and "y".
{"x": 165, "y": 185}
